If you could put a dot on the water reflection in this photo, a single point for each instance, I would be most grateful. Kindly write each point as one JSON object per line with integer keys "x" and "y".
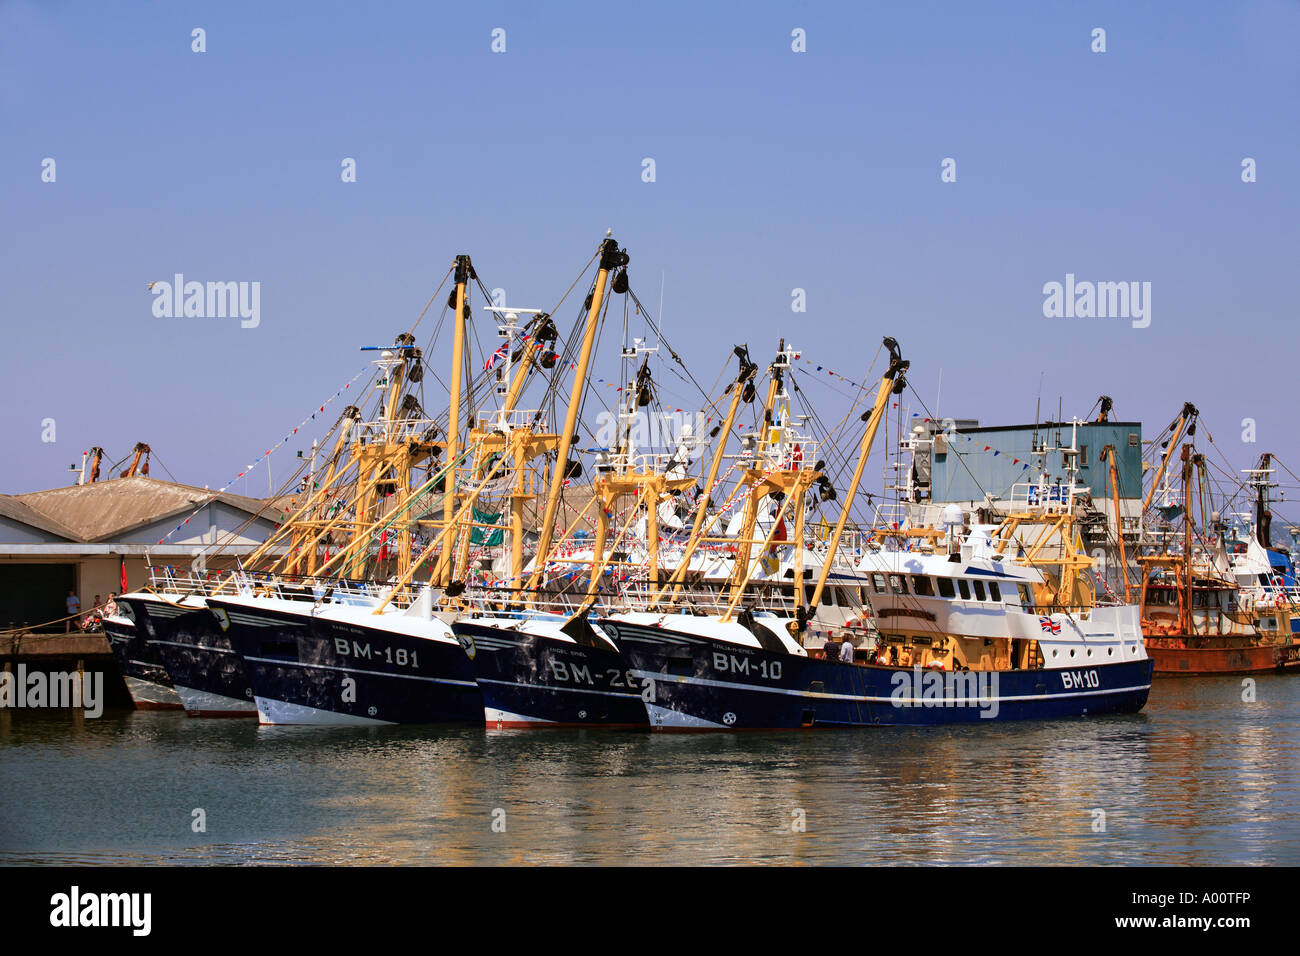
{"x": 1199, "y": 777}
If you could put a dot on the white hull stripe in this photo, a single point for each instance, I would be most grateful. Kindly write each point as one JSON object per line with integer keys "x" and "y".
{"x": 909, "y": 701}
{"x": 258, "y": 621}
{"x": 195, "y": 647}
{"x": 357, "y": 670}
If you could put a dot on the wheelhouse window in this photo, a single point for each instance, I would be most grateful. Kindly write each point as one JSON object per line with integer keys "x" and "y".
{"x": 1026, "y": 599}
{"x": 995, "y": 592}
{"x": 878, "y": 582}
{"x": 898, "y": 583}
{"x": 979, "y": 591}
{"x": 964, "y": 588}
{"x": 921, "y": 586}
{"x": 946, "y": 588}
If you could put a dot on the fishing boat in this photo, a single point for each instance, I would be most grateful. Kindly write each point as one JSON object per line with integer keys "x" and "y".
{"x": 145, "y": 676}
{"x": 314, "y": 656}
{"x": 322, "y": 641}
{"x": 1196, "y": 618}
{"x": 970, "y": 631}
{"x": 534, "y": 666}
{"x": 548, "y": 663}
{"x": 381, "y": 649}
{"x": 180, "y": 633}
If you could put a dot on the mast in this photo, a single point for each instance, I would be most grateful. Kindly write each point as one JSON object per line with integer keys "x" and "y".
{"x": 744, "y": 544}
{"x": 1187, "y": 538}
{"x": 375, "y": 458}
{"x": 741, "y": 385}
{"x": 611, "y": 258}
{"x": 1186, "y": 420}
{"x": 464, "y": 272}
{"x": 892, "y": 382}
{"x": 1263, "y": 517}
{"x": 1109, "y": 454}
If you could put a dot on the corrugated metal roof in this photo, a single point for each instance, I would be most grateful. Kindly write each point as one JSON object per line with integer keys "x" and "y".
{"x": 11, "y": 507}
{"x": 105, "y": 509}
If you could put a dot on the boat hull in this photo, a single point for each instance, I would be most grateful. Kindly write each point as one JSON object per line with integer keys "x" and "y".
{"x": 145, "y": 678}
{"x": 307, "y": 669}
{"x": 702, "y": 684}
{"x": 1172, "y": 660}
{"x": 531, "y": 680}
{"x": 205, "y": 670}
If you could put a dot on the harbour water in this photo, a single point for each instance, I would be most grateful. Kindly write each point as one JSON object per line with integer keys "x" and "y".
{"x": 1199, "y": 777}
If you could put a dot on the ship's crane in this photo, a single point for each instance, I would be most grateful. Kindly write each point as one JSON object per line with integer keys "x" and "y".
{"x": 1185, "y": 423}
{"x": 1107, "y": 403}
{"x": 96, "y": 456}
{"x": 140, "y": 450}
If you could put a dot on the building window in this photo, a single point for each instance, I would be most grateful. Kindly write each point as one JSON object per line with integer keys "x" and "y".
{"x": 1083, "y": 456}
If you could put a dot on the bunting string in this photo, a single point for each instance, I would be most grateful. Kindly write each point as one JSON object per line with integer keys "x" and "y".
{"x": 320, "y": 409}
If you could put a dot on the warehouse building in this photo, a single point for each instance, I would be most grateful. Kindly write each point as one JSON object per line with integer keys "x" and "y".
{"x": 84, "y": 537}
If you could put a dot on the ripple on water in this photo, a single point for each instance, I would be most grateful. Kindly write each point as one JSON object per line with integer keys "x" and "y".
{"x": 1199, "y": 777}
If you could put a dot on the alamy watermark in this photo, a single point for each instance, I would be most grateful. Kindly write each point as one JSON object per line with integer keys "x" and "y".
{"x": 56, "y": 689}
{"x": 931, "y": 687}
{"x": 208, "y": 300}
{"x": 649, "y": 432}
{"x": 127, "y": 910}
{"x": 1099, "y": 300}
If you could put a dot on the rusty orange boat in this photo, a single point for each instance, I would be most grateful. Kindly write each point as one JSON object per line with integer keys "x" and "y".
{"x": 1197, "y": 620}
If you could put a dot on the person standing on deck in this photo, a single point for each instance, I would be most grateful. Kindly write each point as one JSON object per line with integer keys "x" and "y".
{"x": 73, "y": 604}
{"x": 846, "y": 651}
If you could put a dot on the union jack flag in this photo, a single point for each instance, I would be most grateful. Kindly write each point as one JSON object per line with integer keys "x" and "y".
{"x": 1048, "y": 625}
{"x": 497, "y": 356}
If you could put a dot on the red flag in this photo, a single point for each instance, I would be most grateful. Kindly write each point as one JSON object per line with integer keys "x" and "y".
{"x": 123, "y": 575}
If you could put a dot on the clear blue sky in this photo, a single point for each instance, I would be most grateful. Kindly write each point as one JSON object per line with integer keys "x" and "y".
{"x": 775, "y": 170}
